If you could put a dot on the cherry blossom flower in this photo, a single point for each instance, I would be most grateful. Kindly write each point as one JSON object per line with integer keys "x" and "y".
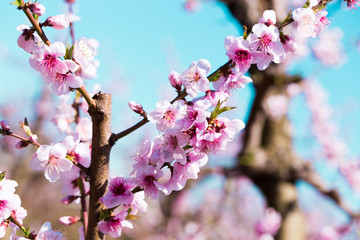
{"x": 64, "y": 116}
{"x": 173, "y": 143}
{"x": 195, "y": 79}
{"x": 167, "y": 116}
{"x": 47, "y": 61}
{"x": 46, "y": 233}
{"x": 37, "y": 8}
{"x": 28, "y": 40}
{"x": 7, "y": 185}
{"x": 147, "y": 179}
{"x": 84, "y": 129}
{"x": 351, "y": 4}
{"x": 232, "y": 81}
{"x": 57, "y": 22}
{"x": 84, "y": 54}
{"x": 115, "y": 224}
{"x": 197, "y": 114}
{"x": 69, "y": 220}
{"x": 8, "y": 203}
{"x": 268, "y": 18}
{"x": 52, "y": 159}
{"x": 119, "y": 192}
{"x": 80, "y": 151}
{"x": 175, "y": 81}
{"x": 238, "y": 50}
{"x": 61, "y": 83}
{"x": 309, "y": 23}
{"x": 270, "y": 223}
{"x": 219, "y": 132}
{"x": 266, "y": 45}
{"x": 138, "y": 204}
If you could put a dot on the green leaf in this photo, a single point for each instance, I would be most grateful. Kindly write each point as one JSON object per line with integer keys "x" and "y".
{"x": 16, "y": 3}
{"x": 246, "y": 33}
{"x": 69, "y": 52}
{"x": 307, "y": 4}
{"x": 36, "y": 17}
{"x": 2, "y": 176}
{"x": 288, "y": 16}
{"x": 26, "y": 122}
{"x": 217, "y": 111}
{"x": 215, "y": 76}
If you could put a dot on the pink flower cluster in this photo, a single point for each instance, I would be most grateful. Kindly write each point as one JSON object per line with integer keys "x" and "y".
{"x": 10, "y": 207}
{"x": 63, "y": 69}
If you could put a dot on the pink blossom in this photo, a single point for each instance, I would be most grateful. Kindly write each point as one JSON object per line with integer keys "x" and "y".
{"x": 7, "y": 185}
{"x": 351, "y": 4}
{"x": 19, "y": 214}
{"x": 219, "y": 132}
{"x": 52, "y": 159}
{"x": 80, "y": 151}
{"x": 57, "y": 22}
{"x": 84, "y": 54}
{"x": 306, "y": 21}
{"x": 119, "y": 192}
{"x": 69, "y": 220}
{"x": 175, "y": 80}
{"x": 238, "y": 50}
{"x": 142, "y": 156}
{"x": 46, "y": 233}
{"x": 173, "y": 143}
{"x": 167, "y": 116}
{"x": 192, "y": 5}
{"x": 64, "y": 115}
{"x": 277, "y": 105}
{"x": 136, "y": 107}
{"x": 84, "y": 129}
{"x": 28, "y": 40}
{"x": 114, "y": 225}
{"x": 182, "y": 172}
{"x": 147, "y": 179}
{"x": 3, "y": 227}
{"x": 139, "y": 204}
{"x": 62, "y": 83}
{"x": 231, "y": 82}
{"x": 270, "y": 223}
{"x": 266, "y": 45}
{"x": 216, "y": 96}
{"x": 197, "y": 114}
{"x": 37, "y": 8}
{"x": 195, "y": 79}
{"x": 288, "y": 43}
{"x": 268, "y": 18}
{"x": 47, "y": 61}
{"x": 9, "y": 202}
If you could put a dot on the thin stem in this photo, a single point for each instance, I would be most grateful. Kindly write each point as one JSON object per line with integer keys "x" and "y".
{"x": 115, "y": 137}
{"x": 35, "y": 24}
{"x": 87, "y": 97}
{"x": 11, "y": 134}
{"x": 84, "y": 212}
{"x": 17, "y": 223}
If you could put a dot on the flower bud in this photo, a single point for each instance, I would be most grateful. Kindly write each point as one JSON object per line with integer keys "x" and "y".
{"x": 37, "y": 8}
{"x": 70, "y": 1}
{"x": 21, "y": 145}
{"x": 57, "y": 22}
{"x": 69, "y": 199}
{"x": 5, "y": 126}
{"x": 175, "y": 81}
{"x": 288, "y": 43}
{"x": 69, "y": 220}
{"x": 136, "y": 107}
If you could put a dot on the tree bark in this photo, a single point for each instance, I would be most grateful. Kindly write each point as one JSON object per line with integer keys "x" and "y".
{"x": 99, "y": 168}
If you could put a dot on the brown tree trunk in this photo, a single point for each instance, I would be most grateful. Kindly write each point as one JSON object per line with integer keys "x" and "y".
{"x": 99, "y": 168}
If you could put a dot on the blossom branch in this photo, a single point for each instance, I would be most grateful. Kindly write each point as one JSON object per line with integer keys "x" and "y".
{"x": 23, "y": 139}
{"x": 35, "y": 24}
{"x": 84, "y": 212}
